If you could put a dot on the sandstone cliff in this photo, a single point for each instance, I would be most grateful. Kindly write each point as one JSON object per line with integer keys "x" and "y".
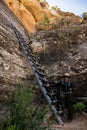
{"x": 23, "y": 14}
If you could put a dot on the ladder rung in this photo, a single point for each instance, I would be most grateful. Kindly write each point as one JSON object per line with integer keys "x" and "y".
{"x": 38, "y": 68}
{"x": 33, "y": 59}
{"x": 52, "y": 94}
{"x": 28, "y": 49}
{"x": 35, "y": 63}
{"x": 54, "y": 101}
{"x": 32, "y": 55}
{"x": 61, "y": 112}
{"x": 28, "y": 46}
{"x": 52, "y": 83}
{"x": 30, "y": 41}
{"x": 46, "y": 85}
{"x": 44, "y": 80}
{"x": 40, "y": 73}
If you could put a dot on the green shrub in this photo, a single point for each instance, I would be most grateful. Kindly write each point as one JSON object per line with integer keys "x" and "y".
{"x": 79, "y": 106}
{"x": 24, "y": 113}
{"x": 55, "y": 8}
{"x": 12, "y": 127}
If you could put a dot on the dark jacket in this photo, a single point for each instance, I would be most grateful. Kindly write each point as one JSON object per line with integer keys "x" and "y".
{"x": 65, "y": 87}
{"x": 61, "y": 86}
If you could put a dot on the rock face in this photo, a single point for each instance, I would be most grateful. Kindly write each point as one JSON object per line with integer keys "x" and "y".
{"x": 65, "y": 50}
{"x": 65, "y": 19}
{"x": 13, "y": 64}
{"x": 68, "y": 18}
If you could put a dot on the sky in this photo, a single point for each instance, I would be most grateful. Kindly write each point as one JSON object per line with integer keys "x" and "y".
{"x": 75, "y": 6}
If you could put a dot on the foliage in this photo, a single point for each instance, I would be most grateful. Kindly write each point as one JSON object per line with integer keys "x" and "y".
{"x": 55, "y": 8}
{"x": 79, "y": 106}
{"x": 24, "y": 114}
{"x": 84, "y": 15}
{"x": 46, "y": 20}
{"x": 44, "y": 23}
{"x": 12, "y": 127}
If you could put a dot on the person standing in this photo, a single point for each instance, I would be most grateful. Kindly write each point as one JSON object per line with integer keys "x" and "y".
{"x": 64, "y": 92}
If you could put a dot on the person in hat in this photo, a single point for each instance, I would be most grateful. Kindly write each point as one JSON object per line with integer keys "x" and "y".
{"x": 64, "y": 91}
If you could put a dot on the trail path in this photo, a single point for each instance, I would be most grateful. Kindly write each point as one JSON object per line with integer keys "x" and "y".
{"x": 79, "y": 123}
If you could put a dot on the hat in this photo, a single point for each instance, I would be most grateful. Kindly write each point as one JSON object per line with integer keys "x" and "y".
{"x": 66, "y": 75}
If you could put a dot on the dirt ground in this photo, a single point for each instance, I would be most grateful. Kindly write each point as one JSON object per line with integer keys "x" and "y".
{"x": 79, "y": 123}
